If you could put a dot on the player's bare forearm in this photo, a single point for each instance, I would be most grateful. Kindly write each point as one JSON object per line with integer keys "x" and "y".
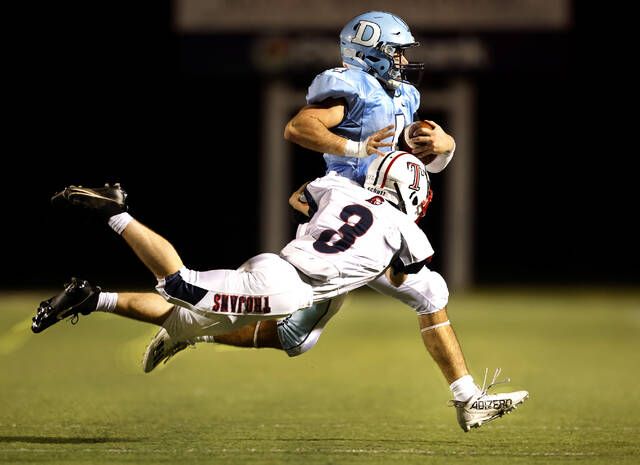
{"x": 310, "y": 128}
{"x": 309, "y": 132}
{"x": 296, "y": 202}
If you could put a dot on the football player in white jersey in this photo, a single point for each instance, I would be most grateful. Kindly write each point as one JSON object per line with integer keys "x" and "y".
{"x": 354, "y": 236}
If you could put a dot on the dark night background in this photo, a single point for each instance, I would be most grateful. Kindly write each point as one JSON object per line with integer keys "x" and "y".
{"x": 110, "y": 93}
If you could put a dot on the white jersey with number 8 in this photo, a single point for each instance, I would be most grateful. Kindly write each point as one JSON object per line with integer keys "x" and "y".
{"x": 352, "y": 237}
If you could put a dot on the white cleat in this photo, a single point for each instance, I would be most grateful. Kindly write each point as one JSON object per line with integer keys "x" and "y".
{"x": 483, "y": 408}
{"x": 161, "y": 348}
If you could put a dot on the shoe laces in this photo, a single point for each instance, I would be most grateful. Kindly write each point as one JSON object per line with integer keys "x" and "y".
{"x": 485, "y": 388}
{"x": 493, "y": 382}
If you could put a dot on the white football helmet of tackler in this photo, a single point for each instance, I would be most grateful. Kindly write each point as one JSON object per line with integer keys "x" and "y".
{"x": 402, "y": 180}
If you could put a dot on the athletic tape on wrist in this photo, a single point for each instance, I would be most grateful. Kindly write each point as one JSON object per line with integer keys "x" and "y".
{"x": 120, "y": 222}
{"x": 355, "y": 149}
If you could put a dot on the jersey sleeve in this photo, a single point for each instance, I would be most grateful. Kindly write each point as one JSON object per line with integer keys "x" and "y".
{"x": 414, "y": 252}
{"x": 314, "y": 191}
{"x": 333, "y": 83}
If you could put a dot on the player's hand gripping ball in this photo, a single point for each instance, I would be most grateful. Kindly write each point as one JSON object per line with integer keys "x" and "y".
{"x": 407, "y": 145}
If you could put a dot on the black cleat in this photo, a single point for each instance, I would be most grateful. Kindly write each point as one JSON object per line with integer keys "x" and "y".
{"x": 78, "y": 297}
{"x": 105, "y": 201}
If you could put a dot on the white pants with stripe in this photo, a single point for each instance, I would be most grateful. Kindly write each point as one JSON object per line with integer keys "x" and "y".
{"x": 218, "y": 301}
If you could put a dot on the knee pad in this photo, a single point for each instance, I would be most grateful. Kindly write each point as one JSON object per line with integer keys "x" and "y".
{"x": 425, "y": 291}
{"x": 435, "y": 294}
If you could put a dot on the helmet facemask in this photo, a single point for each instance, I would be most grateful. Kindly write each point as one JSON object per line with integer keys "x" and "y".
{"x": 402, "y": 70}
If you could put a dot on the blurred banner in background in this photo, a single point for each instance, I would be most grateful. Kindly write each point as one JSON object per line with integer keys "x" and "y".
{"x": 232, "y": 16}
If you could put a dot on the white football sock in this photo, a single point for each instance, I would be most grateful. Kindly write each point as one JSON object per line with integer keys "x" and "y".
{"x": 120, "y": 221}
{"x": 464, "y": 388}
{"x": 107, "y": 302}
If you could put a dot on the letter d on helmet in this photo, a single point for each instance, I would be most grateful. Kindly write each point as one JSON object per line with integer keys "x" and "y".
{"x": 368, "y": 29}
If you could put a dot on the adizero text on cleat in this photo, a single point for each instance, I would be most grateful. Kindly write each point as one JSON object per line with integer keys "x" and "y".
{"x": 483, "y": 407}
{"x": 78, "y": 296}
{"x": 105, "y": 201}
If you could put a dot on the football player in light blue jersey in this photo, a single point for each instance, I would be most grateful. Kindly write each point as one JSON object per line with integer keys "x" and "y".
{"x": 369, "y": 107}
{"x": 360, "y": 110}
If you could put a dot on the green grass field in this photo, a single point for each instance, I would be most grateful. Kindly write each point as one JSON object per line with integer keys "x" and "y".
{"x": 367, "y": 393}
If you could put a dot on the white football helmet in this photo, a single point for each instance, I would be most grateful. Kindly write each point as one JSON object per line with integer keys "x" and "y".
{"x": 402, "y": 180}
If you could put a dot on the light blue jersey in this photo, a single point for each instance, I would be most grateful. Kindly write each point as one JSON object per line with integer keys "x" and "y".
{"x": 370, "y": 107}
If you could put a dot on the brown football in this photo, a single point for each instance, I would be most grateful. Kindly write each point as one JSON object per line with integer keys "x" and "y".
{"x": 404, "y": 143}
{"x": 406, "y": 146}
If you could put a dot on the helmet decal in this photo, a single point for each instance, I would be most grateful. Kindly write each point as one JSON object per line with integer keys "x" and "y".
{"x": 367, "y": 34}
{"x": 415, "y": 185}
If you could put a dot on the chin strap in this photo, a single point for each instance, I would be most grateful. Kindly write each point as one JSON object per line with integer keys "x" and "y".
{"x": 401, "y": 204}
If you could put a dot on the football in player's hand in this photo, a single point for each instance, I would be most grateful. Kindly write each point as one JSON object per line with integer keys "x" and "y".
{"x": 404, "y": 143}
